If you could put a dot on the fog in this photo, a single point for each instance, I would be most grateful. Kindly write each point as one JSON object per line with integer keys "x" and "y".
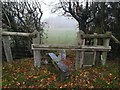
{"x": 60, "y": 22}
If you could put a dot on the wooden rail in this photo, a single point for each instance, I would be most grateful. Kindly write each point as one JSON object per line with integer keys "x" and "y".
{"x": 36, "y": 40}
{"x": 72, "y": 47}
{"x": 6, "y": 33}
{"x": 81, "y": 48}
{"x": 97, "y": 36}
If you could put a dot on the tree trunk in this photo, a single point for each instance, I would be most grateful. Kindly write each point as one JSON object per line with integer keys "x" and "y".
{"x": 82, "y": 26}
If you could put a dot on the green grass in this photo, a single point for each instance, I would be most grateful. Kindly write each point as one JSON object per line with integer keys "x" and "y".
{"x": 61, "y": 36}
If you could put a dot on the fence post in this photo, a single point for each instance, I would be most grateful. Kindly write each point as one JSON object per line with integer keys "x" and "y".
{"x": 0, "y": 45}
{"x": 36, "y": 53}
{"x": 79, "y": 54}
{"x": 7, "y": 49}
{"x": 94, "y": 44}
{"x": 105, "y": 44}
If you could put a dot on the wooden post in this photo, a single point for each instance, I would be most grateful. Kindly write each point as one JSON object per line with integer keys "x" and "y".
{"x": 0, "y": 45}
{"x": 105, "y": 44}
{"x": 36, "y": 53}
{"x": 79, "y": 54}
{"x": 7, "y": 49}
{"x": 94, "y": 44}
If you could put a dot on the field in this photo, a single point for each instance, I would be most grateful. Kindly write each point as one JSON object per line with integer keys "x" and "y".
{"x": 61, "y": 36}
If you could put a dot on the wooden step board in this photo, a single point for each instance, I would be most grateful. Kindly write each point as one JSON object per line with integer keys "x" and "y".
{"x": 59, "y": 63}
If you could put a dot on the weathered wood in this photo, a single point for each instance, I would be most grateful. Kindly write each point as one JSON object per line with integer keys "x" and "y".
{"x": 79, "y": 54}
{"x": 7, "y": 49}
{"x": 6, "y": 33}
{"x": 104, "y": 54}
{"x": 79, "y": 48}
{"x": 96, "y": 48}
{"x": 57, "y": 46}
{"x": 115, "y": 39}
{"x": 82, "y": 53}
{"x": 89, "y": 49}
{"x": 81, "y": 58}
{"x": 36, "y": 53}
{"x": 95, "y": 41}
{"x": 80, "y": 40}
{"x": 107, "y": 35}
{"x": 59, "y": 63}
{"x": 88, "y": 58}
{"x": 1, "y": 45}
{"x": 77, "y": 60}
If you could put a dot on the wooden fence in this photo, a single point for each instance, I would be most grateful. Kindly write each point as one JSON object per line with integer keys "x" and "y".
{"x": 6, "y": 43}
{"x": 81, "y": 48}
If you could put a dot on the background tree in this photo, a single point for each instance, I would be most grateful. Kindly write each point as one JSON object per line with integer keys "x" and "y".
{"x": 83, "y": 13}
{"x": 22, "y": 17}
{"x": 94, "y": 17}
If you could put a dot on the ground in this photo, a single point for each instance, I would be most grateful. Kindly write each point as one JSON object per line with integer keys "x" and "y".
{"x": 22, "y": 74}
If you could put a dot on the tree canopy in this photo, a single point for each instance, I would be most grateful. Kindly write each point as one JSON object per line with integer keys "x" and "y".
{"x": 22, "y": 17}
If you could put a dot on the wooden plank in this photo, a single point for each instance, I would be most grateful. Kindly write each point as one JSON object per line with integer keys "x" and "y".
{"x": 80, "y": 54}
{"x": 88, "y": 58}
{"x": 36, "y": 53}
{"x": 107, "y": 35}
{"x": 115, "y": 39}
{"x": 95, "y": 41}
{"x": 81, "y": 58}
{"x": 6, "y": 33}
{"x": 104, "y": 54}
{"x": 0, "y": 45}
{"x": 61, "y": 46}
{"x": 7, "y": 49}
{"x": 97, "y": 48}
{"x": 77, "y": 61}
{"x": 71, "y": 49}
{"x": 79, "y": 42}
{"x": 83, "y": 48}
{"x": 59, "y": 63}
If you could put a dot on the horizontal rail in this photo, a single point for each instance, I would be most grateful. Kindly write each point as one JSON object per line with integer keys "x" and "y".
{"x": 55, "y": 46}
{"x": 96, "y": 36}
{"x": 5, "y": 33}
{"x": 60, "y": 47}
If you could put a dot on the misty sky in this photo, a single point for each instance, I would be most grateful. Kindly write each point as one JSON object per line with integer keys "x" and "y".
{"x": 53, "y": 19}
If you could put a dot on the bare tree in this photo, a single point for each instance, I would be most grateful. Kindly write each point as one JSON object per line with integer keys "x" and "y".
{"x": 22, "y": 17}
{"x": 83, "y": 13}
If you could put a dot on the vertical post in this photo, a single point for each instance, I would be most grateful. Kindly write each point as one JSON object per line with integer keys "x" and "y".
{"x": 79, "y": 54}
{"x": 36, "y": 53}
{"x": 94, "y": 44}
{"x": 7, "y": 49}
{"x": 0, "y": 45}
{"x": 105, "y": 44}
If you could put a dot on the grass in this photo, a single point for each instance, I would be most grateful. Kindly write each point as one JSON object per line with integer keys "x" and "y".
{"x": 61, "y": 36}
{"x": 22, "y": 74}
